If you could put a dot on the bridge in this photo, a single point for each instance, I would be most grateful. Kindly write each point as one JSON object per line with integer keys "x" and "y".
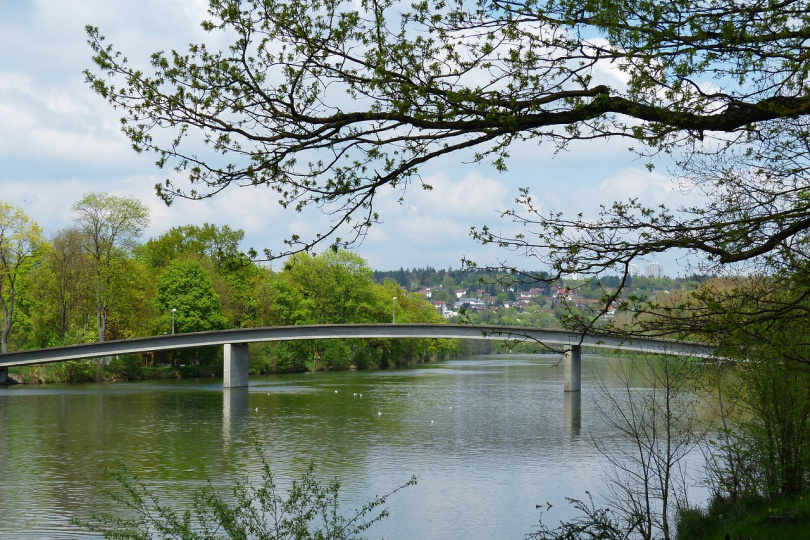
{"x": 235, "y": 343}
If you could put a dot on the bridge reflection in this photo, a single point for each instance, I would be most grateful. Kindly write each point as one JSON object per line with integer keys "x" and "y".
{"x": 572, "y": 414}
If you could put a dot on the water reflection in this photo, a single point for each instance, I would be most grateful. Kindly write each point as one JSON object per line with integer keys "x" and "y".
{"x": 572, "y": 414}
{"x": 234, "y": 413}
{"x": 488, "y": 438}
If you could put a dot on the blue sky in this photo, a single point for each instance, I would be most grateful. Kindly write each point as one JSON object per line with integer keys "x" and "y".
{"x": 59, "y": 141}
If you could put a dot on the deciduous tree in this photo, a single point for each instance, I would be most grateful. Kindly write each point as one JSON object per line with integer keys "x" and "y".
{"x": 110, "y": 226}
{"x": 220, "y": 244}
{"x": 20, "y": 240}
{"x": 185, "y": 287}
{"x": 328, "y": 102}
{"x": 72, "y": 273}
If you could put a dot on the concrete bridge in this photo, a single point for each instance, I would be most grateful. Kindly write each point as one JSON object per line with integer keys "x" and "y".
{"x": 235, "y": 343}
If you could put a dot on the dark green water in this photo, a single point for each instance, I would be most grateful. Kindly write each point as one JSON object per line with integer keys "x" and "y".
{"x": 489, "y": 439}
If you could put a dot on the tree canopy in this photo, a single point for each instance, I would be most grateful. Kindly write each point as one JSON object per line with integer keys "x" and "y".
{"x": 328, "y": 101}
{"x": 186, "y": 299}
{"x": 109, "y": 225}
{"x": 20, "y": 242}
{"x": 220, "y": 244}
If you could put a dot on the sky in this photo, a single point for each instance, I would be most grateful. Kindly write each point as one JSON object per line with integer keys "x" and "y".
{"x": 60, "y": 141}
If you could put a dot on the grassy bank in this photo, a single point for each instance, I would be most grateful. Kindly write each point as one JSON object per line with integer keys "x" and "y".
{"x": 759, "y": 519}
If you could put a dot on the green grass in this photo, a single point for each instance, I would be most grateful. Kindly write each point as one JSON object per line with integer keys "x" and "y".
{"x": 785, "y": 520}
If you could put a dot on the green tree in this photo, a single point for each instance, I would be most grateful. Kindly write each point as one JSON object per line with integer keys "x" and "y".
{"x": 764, "y": 450}
{"x": 220, "y": 244}
{"x": 61, "y": 309}
{"x": 186, "y": 294}
{"x": 331, "y": 288}
{"x": 338, "y": 287}
{"x": 131, "y": 313}
{"x": 335, "y": 286}
{"x": 20, "y": 240}
{"x": 71, "y": 275}
{"x": 110, "y": 226}
{"x": 384, "y": 88}
{"x": 217, "y": 250}
{"x": 284, "y": 303}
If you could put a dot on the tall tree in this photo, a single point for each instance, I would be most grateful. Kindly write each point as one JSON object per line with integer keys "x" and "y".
{"x": 220, "y": 244}
{"x": 70, "y": 266}
{"x": 218, "y": 250}
{"x": 61, "y": 309}
{"x": 186, "y": 297}
{"x": 336, "y": 286}
{"x": 20, "y": 239}
{"x": 110, "y": 226}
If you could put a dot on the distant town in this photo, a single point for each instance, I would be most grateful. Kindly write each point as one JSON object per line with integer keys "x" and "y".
{"x": 456, "y": 292}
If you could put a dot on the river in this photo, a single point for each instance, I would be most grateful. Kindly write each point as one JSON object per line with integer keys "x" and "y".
{"x": 489, "y": 439}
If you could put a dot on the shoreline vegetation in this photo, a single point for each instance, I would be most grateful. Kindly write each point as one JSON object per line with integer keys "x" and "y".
{"x": 136, "y": 368}
{"x": 140, "y": 367}
{"x": 785, "y": 519}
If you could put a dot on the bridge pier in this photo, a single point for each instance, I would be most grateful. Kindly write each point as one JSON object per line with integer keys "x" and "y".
{"x": 3, "y": 375}
{"x": 573, "y": 368}
{"x": 235, "y": 372}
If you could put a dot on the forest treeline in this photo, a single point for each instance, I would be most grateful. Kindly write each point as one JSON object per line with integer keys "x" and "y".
{"x": 96, "y": 280}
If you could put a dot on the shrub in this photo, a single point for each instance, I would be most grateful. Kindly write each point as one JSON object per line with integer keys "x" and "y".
{"x": 309, "y": 510}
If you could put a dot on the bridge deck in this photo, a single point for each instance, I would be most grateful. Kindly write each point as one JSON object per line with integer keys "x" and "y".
{"x": 347, "y": 331}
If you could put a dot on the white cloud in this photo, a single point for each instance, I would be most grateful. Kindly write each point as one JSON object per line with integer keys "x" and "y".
{"x": 650, "y": 187}
{"x": 433, "y": 227}
{"x": 472, "y": 195}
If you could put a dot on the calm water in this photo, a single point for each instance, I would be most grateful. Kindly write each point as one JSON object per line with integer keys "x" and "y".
{"x": 489, "y": 439}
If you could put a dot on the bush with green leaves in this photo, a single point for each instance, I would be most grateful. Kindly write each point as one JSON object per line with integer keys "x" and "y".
{"x": 591, "y": 523}
{"x": 308, "y": 510}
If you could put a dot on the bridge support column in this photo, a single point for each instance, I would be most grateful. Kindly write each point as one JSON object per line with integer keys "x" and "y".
{"x": 3, "y": 375}
{"x": 573, "y": 368}
{"x": 235, "y": 372}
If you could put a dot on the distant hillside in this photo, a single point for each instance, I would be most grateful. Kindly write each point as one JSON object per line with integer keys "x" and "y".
{"x": 476, "y": 279}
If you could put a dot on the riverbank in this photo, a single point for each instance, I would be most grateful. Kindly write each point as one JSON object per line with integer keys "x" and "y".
{"x": 132, "y": 368}
{"x": 119, "y": 369}
{"x": 784, "y": 520}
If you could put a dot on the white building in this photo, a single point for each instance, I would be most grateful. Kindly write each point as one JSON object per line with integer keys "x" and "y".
{"x": 654, "y": 269}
